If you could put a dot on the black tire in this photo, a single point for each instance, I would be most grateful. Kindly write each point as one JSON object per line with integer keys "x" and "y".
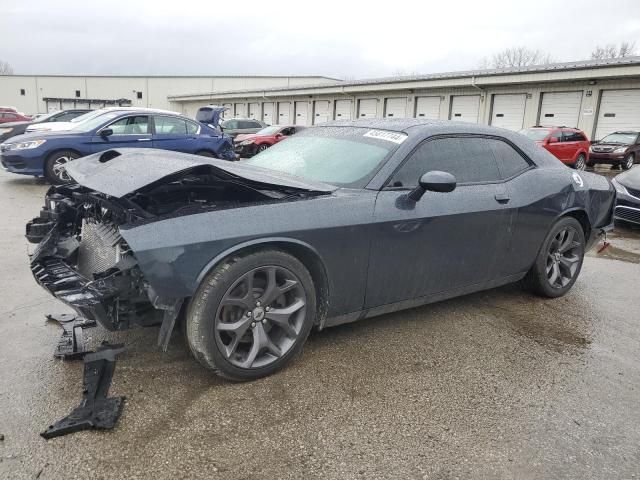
{"x": 261, "y": 148}
{"x": 627, "y": 163}
{"x": 591, "y": 163}
{"x": 205, "y": 153}
{"x": 539, "y": 278}
{"x": 52, "y": 172}
{"x": 206, "y": 313}
{"x": 581, "y": 162}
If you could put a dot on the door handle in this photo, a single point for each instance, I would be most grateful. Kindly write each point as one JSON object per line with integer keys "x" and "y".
{"x": 502, "y": 197}
{"x": 144, "y": 139}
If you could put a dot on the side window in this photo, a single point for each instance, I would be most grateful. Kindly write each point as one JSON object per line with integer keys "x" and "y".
{"x": 510, "y": 162}
{"x": 170, "y": 126}
{"x": 65, "y": 117}
{"x": 232, "y": 124}
{"x": 253, "y": 125}
{"x": 131, "y": 125}
{"x": 192, "y": 128}
{"x": 569, "y": 136}
{"x": 287, "y": 131}
{"x": 469, "y": 159}
{"x": 557, "y": 134}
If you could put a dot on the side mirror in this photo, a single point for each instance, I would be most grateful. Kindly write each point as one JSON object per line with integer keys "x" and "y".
{"x": 552, "y": 140}
{"x": 107, "y": 132}
{"x": 435, "y": 181}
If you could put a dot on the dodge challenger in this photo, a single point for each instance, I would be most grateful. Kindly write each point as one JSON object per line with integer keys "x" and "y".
{"x": 341, "y": 222}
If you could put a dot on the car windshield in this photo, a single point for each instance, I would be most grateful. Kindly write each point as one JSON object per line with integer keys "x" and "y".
{"x": 269, "y": 130}
{"x": 535, "y": 133}
{"x": 622, "y": 138}
{"x": 342, "y": 156}
{"x": 95, "y": 121}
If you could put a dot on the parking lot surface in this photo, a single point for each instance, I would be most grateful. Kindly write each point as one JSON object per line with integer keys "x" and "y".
{"x": 498, "y": 384}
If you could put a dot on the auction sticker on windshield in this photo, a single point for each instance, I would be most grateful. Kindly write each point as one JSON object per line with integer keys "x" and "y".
{"x": 394, "y": 137}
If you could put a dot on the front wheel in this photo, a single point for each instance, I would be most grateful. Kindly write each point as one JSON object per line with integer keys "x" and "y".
{"x": 559, "y": 261}
{"x": 54, "y": 169}
{"x": 262, "y": 148}
{"x": 251, "y": 315}
{"x": 627, "y": 163}
{"x": 581, "y": 162}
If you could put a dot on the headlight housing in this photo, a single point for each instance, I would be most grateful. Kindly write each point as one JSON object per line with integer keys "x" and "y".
{"x": 620, "y": 150}
{"x": 5, "y": 130}
{"x": 619, "y": 187}
{"x": 24, "y": 145}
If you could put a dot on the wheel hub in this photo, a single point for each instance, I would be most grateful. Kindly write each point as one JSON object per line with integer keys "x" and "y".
{"x": 258, "y": 314}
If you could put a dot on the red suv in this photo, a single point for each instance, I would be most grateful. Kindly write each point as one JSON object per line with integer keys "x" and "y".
{"x": 569, "y": 145}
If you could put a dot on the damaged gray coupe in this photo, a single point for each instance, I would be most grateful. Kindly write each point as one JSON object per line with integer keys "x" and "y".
{"x": 341, "y": 222}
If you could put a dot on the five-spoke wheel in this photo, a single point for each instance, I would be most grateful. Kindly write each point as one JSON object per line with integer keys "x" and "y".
{"x": 252, "y": 314}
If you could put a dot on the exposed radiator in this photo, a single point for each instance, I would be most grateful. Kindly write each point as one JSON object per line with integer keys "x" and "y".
{"x": 99, "y": 248}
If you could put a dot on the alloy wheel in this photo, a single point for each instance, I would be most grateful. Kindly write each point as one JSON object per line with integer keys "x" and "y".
{"x": 627, "y": 163}
{"x": 59, "y": 168}
{"x": 580, "y": 162}
{"x": 260, "y": 317}
{"x": 262, "y": 148}
{"x": 563, "y": 257}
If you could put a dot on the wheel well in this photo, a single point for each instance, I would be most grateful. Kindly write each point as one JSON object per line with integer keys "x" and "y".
{"x": 310, "y": 260}
{"x": 581, "y": 216}
{"x": 63, "y": 150}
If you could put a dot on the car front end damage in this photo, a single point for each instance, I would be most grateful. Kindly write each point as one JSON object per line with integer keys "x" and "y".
{"x": 82, "y": 259}
{"x": 82, "y": 255}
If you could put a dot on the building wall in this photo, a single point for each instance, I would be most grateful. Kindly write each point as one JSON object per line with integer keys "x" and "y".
{"x": 591, "y": 94}
{"x": 155, "y": 90}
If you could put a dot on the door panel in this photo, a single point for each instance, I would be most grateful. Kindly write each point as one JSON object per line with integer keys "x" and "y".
{"x": 442, "y": 242}
{"x": 171, "y": 134}
{"x": 133, "y": 131}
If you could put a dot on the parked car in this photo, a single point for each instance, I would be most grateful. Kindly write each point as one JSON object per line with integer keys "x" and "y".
{"x": 48, "y": 153}
{"x": 569, "y": 145}
{"x": 8, "y": 130}
{"x": 343, "y": 221}
{"x": 239, "y": 126}
{"x": 617, "y": 149}
{"x": 627, "y": 184}
{"x": 247, "y": 145}
{"x": 68, "y": 125}
{"x": 6, "y": 108}
{"x": 6, "y": 117}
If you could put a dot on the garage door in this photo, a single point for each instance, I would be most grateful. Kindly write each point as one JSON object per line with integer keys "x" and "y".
{"x": 284, "y": 113}
{"x": 428, "y": 107}
{"x": 302, "y": 109}
{"x": 343, "y": 109}
{"x": 619, "y": 110}
{"x": 465, "y": 108}
{"x": 367, "y": 108}
{"x": 240, "y": 110}
{"x": 560, "y": 109}
{"x": 254, "y": 111}
{"x": 395, "y": 107}
{"x": 228, "y": 113}
{"x": 508, "y": 111}
{"x": 267, "y": 115}
{"x": 320, "y": 111}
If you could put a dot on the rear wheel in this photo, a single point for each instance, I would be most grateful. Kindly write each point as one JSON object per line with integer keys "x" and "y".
{"x": 54, "y": 169}
{"x": 251, "y": 315}
{"x": 559, "y": 261}
{"x": 627, "y": 163}
{"x": 581, "y": 162}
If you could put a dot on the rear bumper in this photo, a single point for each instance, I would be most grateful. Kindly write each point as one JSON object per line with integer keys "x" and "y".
{"x": 610, "y": 158}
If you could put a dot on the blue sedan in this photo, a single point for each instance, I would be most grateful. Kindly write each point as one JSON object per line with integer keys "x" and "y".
{"x": 46, "y": 153}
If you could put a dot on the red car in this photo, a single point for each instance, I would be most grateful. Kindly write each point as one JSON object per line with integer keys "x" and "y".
{"x": 569, "y": 145}
{"x": 7, "y": 116}
{"x": 248, "y": 145}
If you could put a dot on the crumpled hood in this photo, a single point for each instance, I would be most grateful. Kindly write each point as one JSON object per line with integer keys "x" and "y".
{"x": 630, "y": 178}
{"x": 119, "y": 172}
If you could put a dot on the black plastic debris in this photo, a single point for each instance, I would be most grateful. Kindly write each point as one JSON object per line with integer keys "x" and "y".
{"x": 71, "y": 344}
{"x": 97, "y": 410}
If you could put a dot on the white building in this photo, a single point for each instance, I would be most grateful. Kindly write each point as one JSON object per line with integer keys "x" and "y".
{"x": 42, "y": 93}
{"x": 598, "y": 96}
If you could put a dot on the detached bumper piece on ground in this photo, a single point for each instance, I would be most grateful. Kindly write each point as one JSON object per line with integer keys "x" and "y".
{"x": 71, "y": 344}
{"x": 96, "y": 410}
